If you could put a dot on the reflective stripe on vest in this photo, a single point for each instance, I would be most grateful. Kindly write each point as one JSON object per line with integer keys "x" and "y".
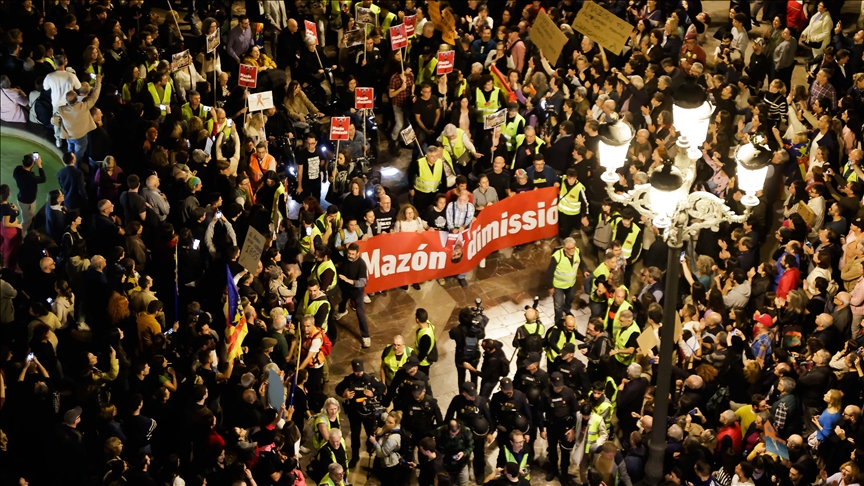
{"x": 166, "y": 96}
{"x": 552, "y": 354}
{"x": 594, "y": 422}
{"x": 458, "y": 146}
{"x": 306, "y": 241}
{"x": 311, "y": 308}
{"x": 519, "y": 140}
{"x": 391, "y": 364}
{"x": 627, "y": 247}
{"x": 522, "y": 464}
{"x": 621, "y": 343}
{"x": 425, "y": 331}
{"x": 511, "y": 131}
{"x": 322, "y": 267}
{"x": 484, "y": 106}
{"x": 569, "y": 201}
{"x": 616, "y": 323}
{"x": 318, "y": 440}
{"x": 429, "y": 178}
{"x": 601, "y": 270}
{"x": 849, "y": 173}
{"x": 565, "y": 271}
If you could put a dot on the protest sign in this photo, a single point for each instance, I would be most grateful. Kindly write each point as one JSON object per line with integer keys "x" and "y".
{"x": 647, "y": 341}
{"x": 275, "y": 390}
{"x": 398, "y": 259}
{"x": 250, "y": 255}
{"x": 408, "y": 135}
{"x": 443, "y": 21}
{"x": 548, "y": 37}
{"x": 495, "y": 119}
{"x": 248, "y": 76}
{"x": 445, "y": 62}
{"x": 603, "y": 27}
{"x": 180, "y": 60}
{"x": 311, "y": 30}
{"x": 339, "y": 127}
{"x": 366, "y": 16}
{"x": 213, "y": 41}
{"x": 261, "y": 101}
{"x": 398, "y": 37}
{"x": 364, "y": 99}
{"x": 258, "y": 34}
{"x": 410, "y": 22}
{"x": 355, "y": 37}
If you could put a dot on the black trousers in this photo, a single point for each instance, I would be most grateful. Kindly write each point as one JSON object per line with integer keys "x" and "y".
{"x": 315, "y": 386}
{"x": 460, "y": 375}
{"x": 423, "y": 200}
{"x": 356, "y": 421}
{"x": 354, "y": 294}
{"x": 479, "y": 460}
{"x": 567, "y": 224}
{"x": 556, "y": 438}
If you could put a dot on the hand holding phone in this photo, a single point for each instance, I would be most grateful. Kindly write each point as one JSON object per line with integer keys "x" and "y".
{"x": 30, "y": 357}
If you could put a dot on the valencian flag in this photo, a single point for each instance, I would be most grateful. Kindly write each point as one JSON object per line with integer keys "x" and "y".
{"x": 500, "y": 82}
{"x": 235, "y": 328}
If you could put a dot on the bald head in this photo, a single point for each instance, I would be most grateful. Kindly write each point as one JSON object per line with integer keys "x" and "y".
{"x": 531, "y": 315}
{"x": 853, "y": 412}
{"x": 45, "y": 263}
{"x": 844, "y": 298}
{"x": 824, "y": 321}
{"x": 647, "y": 422}
{"x": 694, "y": 382}
{"x": 796, "y": 441}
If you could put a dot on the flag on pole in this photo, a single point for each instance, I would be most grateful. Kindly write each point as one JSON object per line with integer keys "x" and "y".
{"x": 500, "y": 82}
{"x": 235, "y": 322}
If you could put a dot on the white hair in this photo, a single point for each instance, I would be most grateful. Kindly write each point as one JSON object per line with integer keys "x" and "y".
{"x": 634, "y": 370}
{"x": 450, "y": 130}
{"x": 637, "y": 81}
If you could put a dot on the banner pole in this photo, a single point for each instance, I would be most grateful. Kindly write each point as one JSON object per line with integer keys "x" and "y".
{"x": 363, "y": 121}
{"x": 297, "y": 366}
{"x": 174, "y": 16}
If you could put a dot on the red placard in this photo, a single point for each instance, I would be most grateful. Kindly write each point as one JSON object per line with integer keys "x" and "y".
{"x": 364, "y": 99}
{"x": 445, "y": 62}
{"x": 248, "y": 76}
{"x": 398, "y": 259}
{"x": 311, "y": 30}
{"x": 339, "y": 127}
{"x": 410, "y": 22}
{"x": 398, "y": 37}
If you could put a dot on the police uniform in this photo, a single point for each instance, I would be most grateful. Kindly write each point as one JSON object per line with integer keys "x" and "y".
{"x": 403, "y": 381}
{"x": 574, "y": 373}
{"x": 476, "y": 416}
{"x": 559, "y": 417}
{"x": 362, "y": 410}
{"x": 532, "y": 385}
{"x": 524, "y": 340}
{"x": 556, "y": 339}
{"x": 420, "y": 417}
{"x": 506, "y": 409}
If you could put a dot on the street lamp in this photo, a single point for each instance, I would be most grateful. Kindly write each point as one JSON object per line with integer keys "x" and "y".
{"x": 615, "y": 137}
{"x": 668, "y": 202}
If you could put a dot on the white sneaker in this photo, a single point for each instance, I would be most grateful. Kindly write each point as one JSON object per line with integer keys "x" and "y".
{"x": 483, "y": 263}
{"x": 304, "y": 450}
{"x": 366, "y": 299}
{"x": 367, "y": 342}
{"x": 58, "y": 142}
{"x": 340, "y": 315}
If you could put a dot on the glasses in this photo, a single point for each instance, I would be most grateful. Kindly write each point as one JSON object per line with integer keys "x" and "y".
{"x": 518, "y": 443}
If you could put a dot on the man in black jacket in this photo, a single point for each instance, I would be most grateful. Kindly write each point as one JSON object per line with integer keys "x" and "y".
{"x": 352, "y": 281}
{"x": 495, "y": 366}
{"x": 28, "y": 186}
{"x": 361, "y": 392}
{"x": 811, "y": 388}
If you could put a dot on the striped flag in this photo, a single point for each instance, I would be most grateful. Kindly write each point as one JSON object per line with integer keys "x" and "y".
{"x": 235, "y": 320}
{"x": 500, "y": 82}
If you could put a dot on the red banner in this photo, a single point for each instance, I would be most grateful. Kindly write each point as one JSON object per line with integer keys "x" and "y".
{"x": 248, "y": 76}
{"x": 364, "y": 98}
{"x": 399, "y": 259}
{"x": 445, "y": 62}
{"x": 339, "y": 127}
{"x": 410, "y": 22}
{"x": 311, "y": 30}
{"x": 398, "y": 37}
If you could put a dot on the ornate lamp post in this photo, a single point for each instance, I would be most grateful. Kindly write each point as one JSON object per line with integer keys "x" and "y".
{"x": 668, "y": 202}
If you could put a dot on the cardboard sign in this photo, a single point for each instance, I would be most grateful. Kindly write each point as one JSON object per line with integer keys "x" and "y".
{"x": 548, "y": 37}
{"x": 250, "y": 255}
{"x": 180, "y": 60}
{"x": 355, "y": 37}
{"x": 366, "y": 16}
{"x": 443, "y": 21}
{"x": 603, "y": 27}
{"x": 261, "y": 101}
{"x": 445, "y": 62}
{"x": 275, "y": 390}
{"x": 495, "y": 119}
{"x": 339, "y": 127}
{"x": 408, "y": 135}
{"x": 213, "y": 41}
{"x": 248, "y": 76}
{"x": 398, "y": 37}
{"x": 410, "y": 23}
{"x": 647, "y": 341}
{"x": 311, "y": 30}
{"x": 806, "y": 213}
{"x": 364, "y": 99}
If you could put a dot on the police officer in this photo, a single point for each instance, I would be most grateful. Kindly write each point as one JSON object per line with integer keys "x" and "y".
{"x": 557, "y": 337}
{"x": 405, "y": 378}
{"x": 508, "y": 406}
{"x": 574, "y": 372}
{"x": 421, "y": 415}
{"x": 362, "y": 393}
{"x": 562, "y": 272}
{"x": 473, "y": 411}
{"x": 560, "y": 406}
{"x": 531, "y": 380}
{"x": 529, "y": 336}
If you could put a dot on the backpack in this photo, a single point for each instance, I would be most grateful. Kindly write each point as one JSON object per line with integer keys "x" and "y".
{"x": 534, "y": 341}
{"x": 326, "y": 344}
{"x": 471, "y": 348}
{"x": 603, "y": 234}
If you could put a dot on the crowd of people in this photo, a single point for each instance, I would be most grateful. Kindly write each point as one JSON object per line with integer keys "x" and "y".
{"x": 130, "y": 355}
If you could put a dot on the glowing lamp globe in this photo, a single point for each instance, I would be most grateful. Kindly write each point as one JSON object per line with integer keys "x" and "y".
{"x": 691, "y": 112}
{"x": 615, "y": 138}
{"x": 664, "y": 194}
{"x": 753, "y": 160}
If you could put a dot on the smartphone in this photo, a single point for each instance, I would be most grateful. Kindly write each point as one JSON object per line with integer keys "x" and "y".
{"x": 683, "y": 254}
{"x": 692, "y": 412}
{"x": 35, "y": 156}
{"x": 230, "y": 122}
{"x": 207, "y": 108}
{"x": 860, "y": 350}
{"x": 30, "y": 357}
{"x": 92, "y": 76}
{"x": 195, "y": 244}
{"x": 162, "y": 107}
{"x": 188, "y": 144}
{"x": 807, "y": 244}
{"x": 50, "y": 301}
{"x": 169, "y": 331}
{"x": 218, "y": 214}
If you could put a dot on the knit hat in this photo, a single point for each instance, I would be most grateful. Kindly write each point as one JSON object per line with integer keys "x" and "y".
{"x": 192, "y": 182}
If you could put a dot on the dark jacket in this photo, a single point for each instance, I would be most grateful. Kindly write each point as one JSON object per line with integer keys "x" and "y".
{"x": 72, "y": 184}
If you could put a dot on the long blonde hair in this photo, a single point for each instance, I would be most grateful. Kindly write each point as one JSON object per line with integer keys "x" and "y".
{"x": 835, "y": 399}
